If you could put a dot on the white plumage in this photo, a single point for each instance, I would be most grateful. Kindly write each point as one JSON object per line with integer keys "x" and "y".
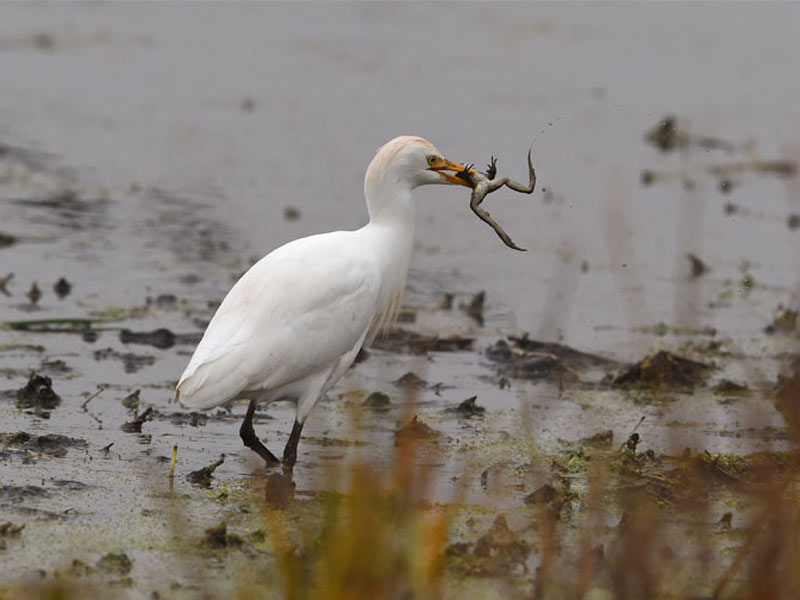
{"x": 294, "y": 323}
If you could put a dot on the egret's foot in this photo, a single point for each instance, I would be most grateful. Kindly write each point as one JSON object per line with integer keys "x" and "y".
{"x": 290, "y": 452}
{"x": 250, "y": 439}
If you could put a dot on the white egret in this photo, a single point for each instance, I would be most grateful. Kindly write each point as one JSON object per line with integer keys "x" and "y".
{"x": 294, "y": 322}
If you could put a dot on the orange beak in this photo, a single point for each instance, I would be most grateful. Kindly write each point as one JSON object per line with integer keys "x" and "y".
{"x": 446, "y": 165}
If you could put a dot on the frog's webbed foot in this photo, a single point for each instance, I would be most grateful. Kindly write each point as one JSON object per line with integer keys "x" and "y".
{"x": 466, "y": 175}
{"x": 491, "y": 168}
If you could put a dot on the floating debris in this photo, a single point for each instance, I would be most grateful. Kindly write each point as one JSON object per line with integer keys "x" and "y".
{"x": 409, "y": 342}
{"x": 468, "y": 408}
{"x": 135, "y": 426}
{"x": 62, "y": 288}
{"x": 203, "y": 477}
{"x": 37, "y": 394}
{"x": 663, "y": 370}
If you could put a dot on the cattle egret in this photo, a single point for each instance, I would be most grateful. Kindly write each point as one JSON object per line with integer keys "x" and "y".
{"x": 295, "y": 321}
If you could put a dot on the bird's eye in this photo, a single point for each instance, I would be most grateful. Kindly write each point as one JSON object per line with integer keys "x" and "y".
{"x": 431, "y": 160}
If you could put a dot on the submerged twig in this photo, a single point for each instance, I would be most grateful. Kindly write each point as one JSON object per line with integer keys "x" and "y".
{"x": 91, "y": 397}
{"x": 484, "y": 184}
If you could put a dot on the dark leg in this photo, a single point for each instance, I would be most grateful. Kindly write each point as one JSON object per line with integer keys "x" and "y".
{"x": 290, "y": 452}
{"x": 248, "y": 435}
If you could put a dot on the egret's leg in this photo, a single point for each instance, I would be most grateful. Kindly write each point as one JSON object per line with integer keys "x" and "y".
{"x": 248, "y": 435}
{"x": 290, "y": 452}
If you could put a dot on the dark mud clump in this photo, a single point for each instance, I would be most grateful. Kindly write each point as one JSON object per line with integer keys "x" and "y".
{"x": 784, "y": 320}
{"x": 498, "y": 552}
{"x": 31, "y": 447}
{"x": 663, "y": 370}
{"x": 411, "y": 381}
{"x": 37, "y": 394}
{"x": 9, "y": 530}
{"x": 203, "y": 477}
{"x": 131, "y": 362}
{"x": 726, "y": 387}
{"x": 475, "y": 307}
{"x": 193, "y": 419}
{"x": 378, "y": 401}
{"x": 409, "y": 342}
{"x": 161, "y": 338}
{"x": 468, "y": 408}
{"x": 135, "y": 426}
{"x": 4, "y": 281}
{"x": 415, "y": 429}
{"x": 218, "y": 538}
{"x": 131, "y": 401}
{"x": 18, "y": 493}
{"x": 699, "y": 268}
{"x": 115, "y": 563}
{"x": 524, "y": 358}
{"x": 62, "y": 288}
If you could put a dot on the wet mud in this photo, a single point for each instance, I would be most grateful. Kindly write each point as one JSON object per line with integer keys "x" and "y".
{"x": 643, "y": 346}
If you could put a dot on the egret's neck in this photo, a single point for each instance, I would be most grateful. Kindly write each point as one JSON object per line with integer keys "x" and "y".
{"x": 390, "y": 203}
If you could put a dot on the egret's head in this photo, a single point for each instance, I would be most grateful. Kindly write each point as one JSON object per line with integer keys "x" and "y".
{"x": 411, "y": 161}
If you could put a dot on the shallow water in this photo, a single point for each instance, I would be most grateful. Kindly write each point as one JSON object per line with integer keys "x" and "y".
{"x": 183, "y": 133}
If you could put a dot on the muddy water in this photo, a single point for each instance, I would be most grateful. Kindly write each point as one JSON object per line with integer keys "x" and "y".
{"x": 149, "y": 154}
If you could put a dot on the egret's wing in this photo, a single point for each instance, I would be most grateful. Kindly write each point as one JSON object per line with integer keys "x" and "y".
{"x": 293, "y": 313}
